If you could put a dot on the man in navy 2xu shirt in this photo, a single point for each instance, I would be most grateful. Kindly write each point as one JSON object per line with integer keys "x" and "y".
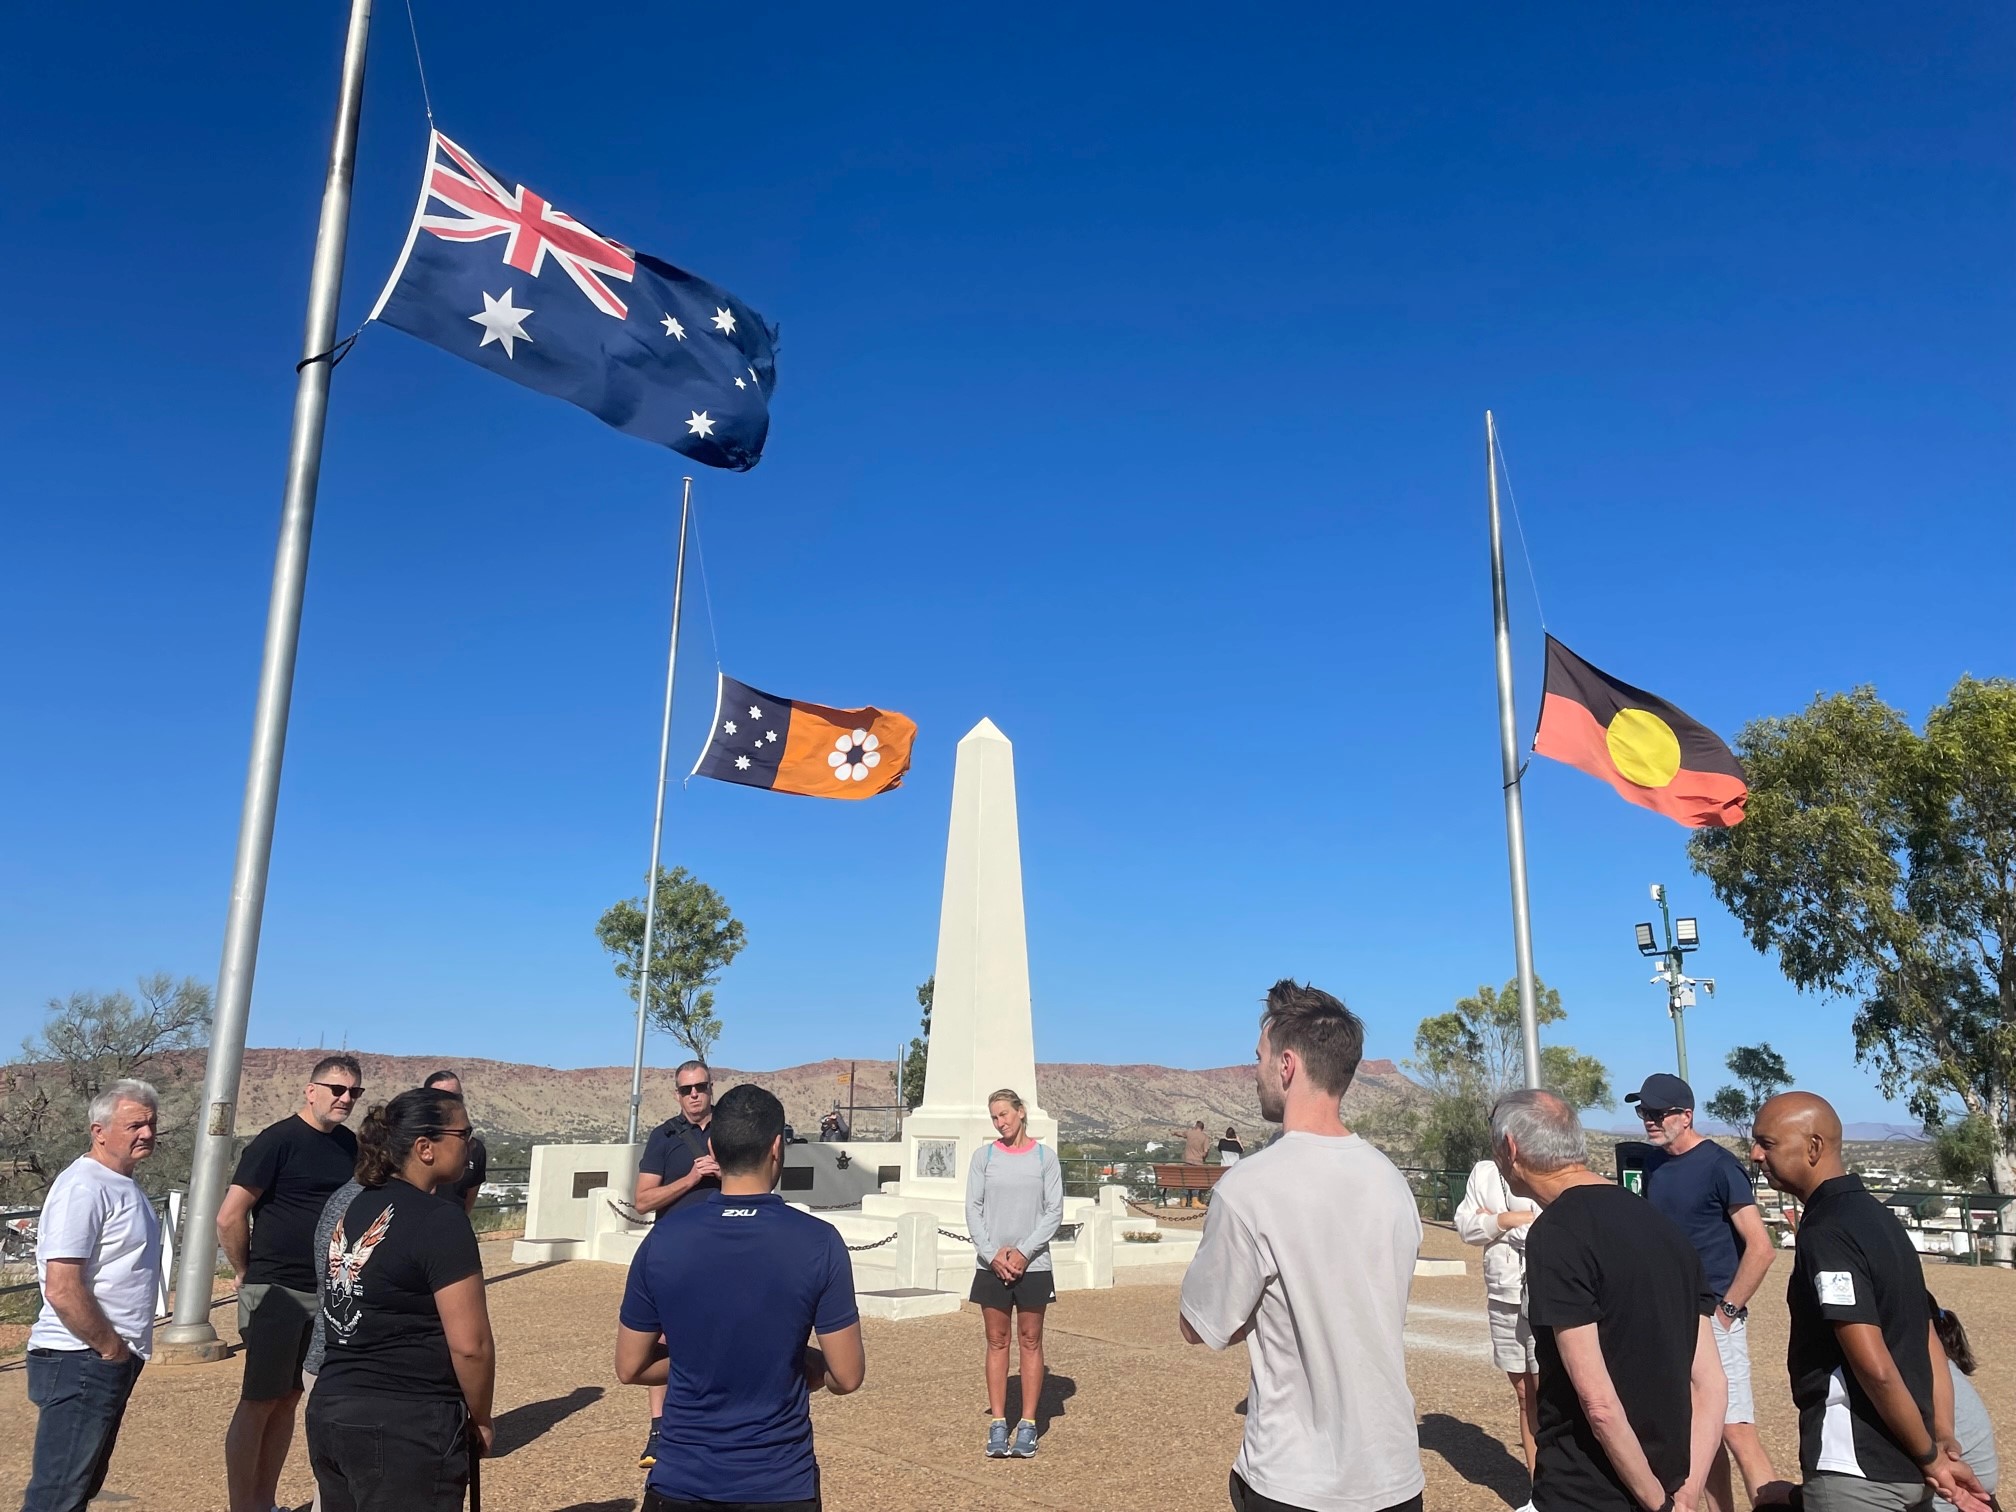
{"x": 1705, "y": 1190}
{"x": 723, "y": 1298}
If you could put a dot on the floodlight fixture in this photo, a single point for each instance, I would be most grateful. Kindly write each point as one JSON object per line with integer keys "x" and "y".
{"x": 1686, "y": 934}
{"x": 1647, "y": 946}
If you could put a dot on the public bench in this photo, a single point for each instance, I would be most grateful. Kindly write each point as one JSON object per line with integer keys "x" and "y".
{"x": 1184, "y": 1178}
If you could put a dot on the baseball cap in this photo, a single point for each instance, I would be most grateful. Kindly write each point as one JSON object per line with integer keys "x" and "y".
{"x": 1663, "y": 1091}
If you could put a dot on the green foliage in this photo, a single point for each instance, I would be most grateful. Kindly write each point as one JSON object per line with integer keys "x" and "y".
{"x": 694, "y": 938}
{"x": 1761, "y": 1074}
{"x": 1880, "y": 865}
{"x": 1964, "y": 1151}
{"x": 920, "y": 1048}
{"x": 89, "y": 1041}
{"x": 1471, "y": 1055}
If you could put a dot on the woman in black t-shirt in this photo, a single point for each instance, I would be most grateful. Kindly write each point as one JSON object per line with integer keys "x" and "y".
{"x": 404, "y": 1395}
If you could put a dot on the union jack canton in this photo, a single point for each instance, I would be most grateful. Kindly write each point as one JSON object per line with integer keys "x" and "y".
{"x": 498, "y": 276}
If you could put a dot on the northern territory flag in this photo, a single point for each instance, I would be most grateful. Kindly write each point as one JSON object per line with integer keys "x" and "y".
{"x": 1649, "y": 751}
{"x": 497, "y": 274}
{"x": 790, "y": 746}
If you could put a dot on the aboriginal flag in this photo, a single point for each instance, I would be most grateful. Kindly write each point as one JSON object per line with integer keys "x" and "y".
{"x": 1653, "y": 754}
{"x": 790, "y": 746}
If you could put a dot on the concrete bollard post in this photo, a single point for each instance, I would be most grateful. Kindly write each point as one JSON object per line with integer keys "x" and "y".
{"x": 917, "y": 1251}
{"x": 1113, "y": 1199}
{"x": 1097, "y": 1237}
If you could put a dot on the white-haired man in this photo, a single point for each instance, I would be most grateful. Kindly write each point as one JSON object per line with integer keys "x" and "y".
{"x": 1609, "y": 1282}
{"x": 99, "y": 1262}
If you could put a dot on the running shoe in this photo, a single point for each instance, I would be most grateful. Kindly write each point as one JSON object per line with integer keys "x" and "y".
{"x": 1025, "y": 1439}
{"x": 650, "y": 1455}
{"x": 997, "y": 1439}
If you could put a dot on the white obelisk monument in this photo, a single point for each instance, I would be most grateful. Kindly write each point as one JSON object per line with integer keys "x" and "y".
{"x": 981, "y": 1036}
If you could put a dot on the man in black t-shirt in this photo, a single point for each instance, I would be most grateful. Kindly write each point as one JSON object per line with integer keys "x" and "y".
{"x": 465, "y": 1191}
{"x": 1868, "y": 1374}
{"x": 677, "y": 1167}
{"x": 266, "y": 1226}
{"x": 1631, "y": 1391}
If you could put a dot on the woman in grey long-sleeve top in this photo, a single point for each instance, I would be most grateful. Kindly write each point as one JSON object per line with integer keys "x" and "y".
{"x": 1014, "y": 1202}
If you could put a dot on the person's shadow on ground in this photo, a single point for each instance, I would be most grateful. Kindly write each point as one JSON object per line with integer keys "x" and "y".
{"x": 1479, "y": 1457}
{"x": 521, "y": 1425}
{"x": 1057, "y": 1390}
{"x": 621, "y": 1504}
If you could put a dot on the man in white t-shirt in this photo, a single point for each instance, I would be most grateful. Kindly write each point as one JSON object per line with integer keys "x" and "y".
{"x": 1308, "y": 1256}
{"x": 99, "y": 1262}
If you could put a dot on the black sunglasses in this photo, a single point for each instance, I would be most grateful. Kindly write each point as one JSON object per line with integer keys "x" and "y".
{"x": 1658, "y": 1115}
{"x": 443, "y": 1133}
{"x": 337, "y": 1089}
{"x": 691, "y": 1087}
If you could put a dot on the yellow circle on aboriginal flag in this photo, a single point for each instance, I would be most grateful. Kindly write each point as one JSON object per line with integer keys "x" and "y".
{"x": 1643, "y": 745}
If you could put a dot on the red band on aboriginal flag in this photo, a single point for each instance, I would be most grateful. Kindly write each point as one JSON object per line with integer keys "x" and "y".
{"x": 1650, "y": 752}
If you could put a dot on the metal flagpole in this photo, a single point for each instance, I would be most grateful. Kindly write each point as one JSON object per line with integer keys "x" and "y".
{"x": 190, "y": 1336}
{"x": 658, "y": 821}
{"x": 1515, "y": 818}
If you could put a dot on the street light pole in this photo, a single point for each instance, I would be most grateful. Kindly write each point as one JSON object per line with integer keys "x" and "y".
{"x": 1682, "y": 937}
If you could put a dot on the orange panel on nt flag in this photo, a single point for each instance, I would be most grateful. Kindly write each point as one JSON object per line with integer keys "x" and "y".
{"x": 1650, "y": 752}
{"x": 791, "y": 746}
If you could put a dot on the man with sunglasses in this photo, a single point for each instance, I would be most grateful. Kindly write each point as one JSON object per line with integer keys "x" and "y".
{"x": 1705, "y": 1190}
{"x": 266, "y": 1225}
{"x": 678, "y": 1167}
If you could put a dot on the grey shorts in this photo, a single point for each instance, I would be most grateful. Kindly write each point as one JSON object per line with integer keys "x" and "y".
{"x": 1511, "y": 1338}
{"x": 1829, "y": 1491}
{"x": 276, "y": 1323}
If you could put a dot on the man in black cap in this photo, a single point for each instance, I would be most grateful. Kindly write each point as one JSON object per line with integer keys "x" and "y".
{"x": 1868, "y": 1374}
{"x": 1706, "y": 1192}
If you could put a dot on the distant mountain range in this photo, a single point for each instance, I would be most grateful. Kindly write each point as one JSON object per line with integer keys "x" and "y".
{"x": 1858, "y": 1133}
{"x": 1088, "y": 1101}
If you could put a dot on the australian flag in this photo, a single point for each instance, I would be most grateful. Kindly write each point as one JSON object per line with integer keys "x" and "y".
{"x": 494, "y": 273}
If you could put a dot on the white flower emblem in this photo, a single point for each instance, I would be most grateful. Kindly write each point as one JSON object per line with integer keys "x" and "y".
{"x": 854, "y": 756}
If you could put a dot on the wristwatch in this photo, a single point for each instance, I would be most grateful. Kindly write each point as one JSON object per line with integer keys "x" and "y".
{"x": 1733, "y": 1314}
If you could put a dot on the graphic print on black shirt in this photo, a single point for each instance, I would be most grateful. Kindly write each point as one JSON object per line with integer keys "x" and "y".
{"x": 1600, "y": 1254}
{"x": 293, "y": 1166}
{"x": 395, "y": 1248}
{"x": 343, "y": 1288}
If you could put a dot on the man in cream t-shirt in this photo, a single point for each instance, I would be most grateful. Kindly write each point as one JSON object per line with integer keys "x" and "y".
{"x": 99, "y": 1258}
{"x": 1308, "y": 1256}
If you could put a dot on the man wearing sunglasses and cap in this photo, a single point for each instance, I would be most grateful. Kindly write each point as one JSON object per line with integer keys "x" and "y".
{"x": 1706, "y": 1192}
{"x": 678, "y": 1167}
{"x": 266, "y": 1225}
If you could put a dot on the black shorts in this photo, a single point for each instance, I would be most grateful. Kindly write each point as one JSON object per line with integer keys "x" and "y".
{"x": 1246, "y": 1499}
{"x": 1035, "y": 1289}
{"x": 276, "y": 1324}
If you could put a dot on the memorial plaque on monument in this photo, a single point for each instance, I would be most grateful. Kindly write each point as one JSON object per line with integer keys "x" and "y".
{"x": 938, "y": 1159}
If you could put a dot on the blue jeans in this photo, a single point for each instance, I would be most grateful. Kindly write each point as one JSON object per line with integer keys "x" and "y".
{"x": 82, "y": 1397}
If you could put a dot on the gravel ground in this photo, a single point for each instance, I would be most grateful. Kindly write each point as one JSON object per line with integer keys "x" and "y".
{"x": 1133, "y": 1420}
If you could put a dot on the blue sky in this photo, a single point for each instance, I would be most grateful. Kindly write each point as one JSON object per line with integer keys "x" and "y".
{"x": 1130, "y": 393}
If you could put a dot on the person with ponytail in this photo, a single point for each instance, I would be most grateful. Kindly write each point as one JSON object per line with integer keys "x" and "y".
{"x": 1014, "y": 1204}
{"x": 403, "y": 1397}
